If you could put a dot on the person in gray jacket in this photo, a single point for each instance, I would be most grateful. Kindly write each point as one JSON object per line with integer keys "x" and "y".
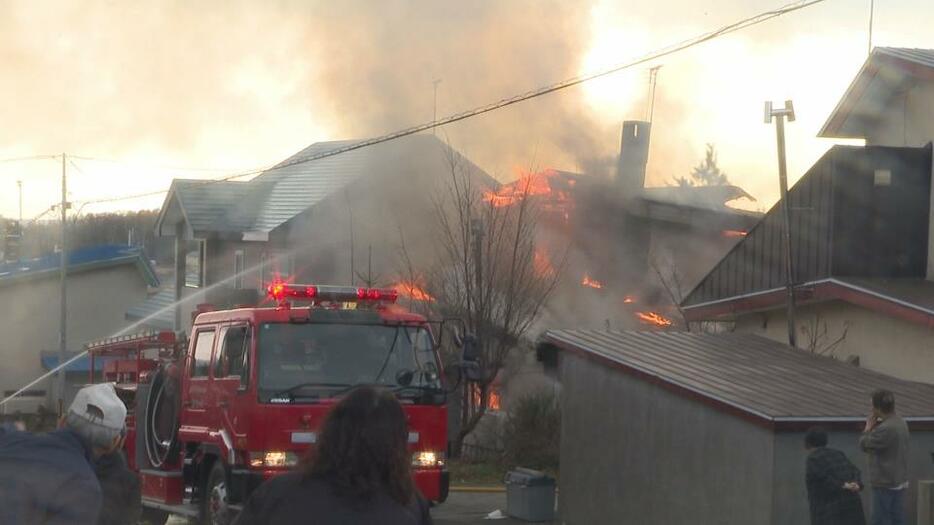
{"x": 885, "y": 440}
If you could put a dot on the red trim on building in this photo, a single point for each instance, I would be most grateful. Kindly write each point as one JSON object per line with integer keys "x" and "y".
{"x": 817, "y": 292}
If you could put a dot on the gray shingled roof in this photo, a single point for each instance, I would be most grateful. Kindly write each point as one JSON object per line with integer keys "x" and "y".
{"x": 285, "y": 191}
{"x": 204, "y": 203}
{"x": 758, "y": 376}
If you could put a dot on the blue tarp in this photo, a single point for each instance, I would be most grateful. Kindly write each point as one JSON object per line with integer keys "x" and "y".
{"x": 107, "y": 253}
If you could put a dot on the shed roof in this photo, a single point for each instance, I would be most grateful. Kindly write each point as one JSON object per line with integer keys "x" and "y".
{"x": 757, "y": 377}
{"x": 884, "y": 74}
{"x": 82, "y": 259}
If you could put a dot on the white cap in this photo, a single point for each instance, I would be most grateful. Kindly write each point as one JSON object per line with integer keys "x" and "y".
{"x": 99, "y": 405}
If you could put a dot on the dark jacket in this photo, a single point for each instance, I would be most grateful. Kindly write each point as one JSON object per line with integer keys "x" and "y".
{"x": 887, "y": 446}
{"x": 289, "y": 499}
{"x": 120, "y": 490}
{"x": 47, "y": 479}
{"x": 827, "y": 471}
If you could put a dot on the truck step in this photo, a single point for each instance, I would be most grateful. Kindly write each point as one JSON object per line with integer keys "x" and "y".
{"x": 189, "y": 510}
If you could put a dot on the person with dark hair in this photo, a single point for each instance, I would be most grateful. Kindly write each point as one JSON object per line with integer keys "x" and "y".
{"x": 360, "y": 472}
{"x": 833, "y": 483}
{"x": 885, "y": 440}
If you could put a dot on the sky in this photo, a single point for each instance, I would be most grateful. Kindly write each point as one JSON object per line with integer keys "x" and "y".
{"x": 139, "y": 93}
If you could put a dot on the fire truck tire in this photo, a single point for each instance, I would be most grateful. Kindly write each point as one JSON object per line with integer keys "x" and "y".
{"x": 214, "y": 506}
{"x": 153, "y": 516}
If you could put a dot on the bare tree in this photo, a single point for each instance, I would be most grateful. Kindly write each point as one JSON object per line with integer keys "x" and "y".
{"x": 817, "y": 337}
{"x": 486, "y": 272}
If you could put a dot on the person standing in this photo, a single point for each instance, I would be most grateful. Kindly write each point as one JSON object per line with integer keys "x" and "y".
{"x": 48, "y": 478}
{"x": 359, "y": 473}
{"x": 833, "y": 483}
{"x": 885, "y": 440}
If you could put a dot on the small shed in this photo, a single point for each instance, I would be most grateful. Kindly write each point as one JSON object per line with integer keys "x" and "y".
{"x": 675, "y": 427}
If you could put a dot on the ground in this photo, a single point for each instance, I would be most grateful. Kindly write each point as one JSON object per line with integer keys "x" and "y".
{"x": 460, "y": 508}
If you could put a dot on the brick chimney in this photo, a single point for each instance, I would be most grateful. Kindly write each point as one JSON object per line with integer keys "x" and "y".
{"x": 633, "y": 155}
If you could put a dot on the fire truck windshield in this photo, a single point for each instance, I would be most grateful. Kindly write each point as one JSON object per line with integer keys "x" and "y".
{"x": 311, "y": 361}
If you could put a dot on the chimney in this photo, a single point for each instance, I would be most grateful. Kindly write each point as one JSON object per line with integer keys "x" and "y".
{"x": 633, "y": 155}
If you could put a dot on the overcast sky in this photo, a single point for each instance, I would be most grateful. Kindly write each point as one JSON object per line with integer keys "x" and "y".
{"x": 228, "y": 86}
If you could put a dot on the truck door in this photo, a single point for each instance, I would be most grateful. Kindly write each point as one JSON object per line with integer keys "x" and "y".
{"x": 195, "y": 393}
{"x": 232, "y": 378}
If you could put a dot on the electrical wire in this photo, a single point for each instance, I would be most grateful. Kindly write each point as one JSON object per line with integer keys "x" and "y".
{"x": 31, "y": 157}
{"x": 509, "y": 101}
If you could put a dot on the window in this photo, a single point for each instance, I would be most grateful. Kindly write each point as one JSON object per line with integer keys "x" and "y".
{"x": 234, "y": 355}
{"x": 194, "y": 264}
{"x": 238, "y": 269}
{"x": 276, "y": 265}
{"x": 883, "y": 178}
{"x": 202, "y": 360}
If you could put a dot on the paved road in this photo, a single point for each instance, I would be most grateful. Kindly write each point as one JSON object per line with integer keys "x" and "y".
{"x": 461, "y": 508}
{"x": 468, "y": 507}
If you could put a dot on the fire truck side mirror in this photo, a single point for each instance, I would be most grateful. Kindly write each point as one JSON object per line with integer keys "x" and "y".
{"x": 470, "y": 348}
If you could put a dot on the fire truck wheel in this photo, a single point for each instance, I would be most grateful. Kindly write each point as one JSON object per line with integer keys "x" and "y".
{"x": 214, "y": 509}
{"x": 153, "y": 516}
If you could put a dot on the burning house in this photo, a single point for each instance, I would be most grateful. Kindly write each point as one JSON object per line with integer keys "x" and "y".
{"x": 630, "y": 252}
{"x": 333, "y": 220}
{"x": 861, "y": 234}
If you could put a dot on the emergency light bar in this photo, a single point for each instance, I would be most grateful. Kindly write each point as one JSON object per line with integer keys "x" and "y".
{"x": 281, "y": 291}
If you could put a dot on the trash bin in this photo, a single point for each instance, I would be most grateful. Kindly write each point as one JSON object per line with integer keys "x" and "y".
{"x": 530, "y": 495}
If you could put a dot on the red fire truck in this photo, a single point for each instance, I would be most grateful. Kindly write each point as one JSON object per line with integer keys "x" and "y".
{"x": 210, "y": 420}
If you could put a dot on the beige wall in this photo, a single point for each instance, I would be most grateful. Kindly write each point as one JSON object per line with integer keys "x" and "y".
{"x": 908, "y": 119}
{"x": 29, "y": 324}
{"x": 883, "y": 343}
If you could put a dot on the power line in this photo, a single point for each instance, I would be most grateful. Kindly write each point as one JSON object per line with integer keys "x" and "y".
{"x": 30, "y": 157}
{"x": 141, "y": 164}
{"x": 509, "y": 101}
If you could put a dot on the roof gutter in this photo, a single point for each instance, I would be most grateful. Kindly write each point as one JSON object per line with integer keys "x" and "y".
{"x": 814, "y": 291}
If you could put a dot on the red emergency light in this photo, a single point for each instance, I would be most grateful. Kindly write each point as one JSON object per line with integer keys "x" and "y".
{"x": 280, "y": 291}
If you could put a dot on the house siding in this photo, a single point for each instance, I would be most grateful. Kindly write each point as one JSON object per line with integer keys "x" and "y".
{"x": 906, "y": 120}
{"x": 97, "y": 301}
{"x": 884, "y": 344}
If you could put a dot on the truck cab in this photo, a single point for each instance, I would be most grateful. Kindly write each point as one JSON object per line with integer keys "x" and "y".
{"x": 245, "y": 400}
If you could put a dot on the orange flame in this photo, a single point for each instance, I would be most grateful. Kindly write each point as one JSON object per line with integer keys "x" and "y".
{"x": 629, "y": 299}
{"x": 527, "y": 185}
{"x": 734, "y": 233}
{"x": 592, "y": 283}
{"x": 413, "y": 291}
{"x": 654, "y": 318}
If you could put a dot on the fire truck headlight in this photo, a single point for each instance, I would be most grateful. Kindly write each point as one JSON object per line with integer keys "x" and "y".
{"x": 428, "y": 459}
{"x": 273, "y": 459}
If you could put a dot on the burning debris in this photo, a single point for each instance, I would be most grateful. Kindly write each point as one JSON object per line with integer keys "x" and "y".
{"x": 654, "y": 318}
{"x": 591, "y": 283}
{"x": 734, "y": 233}
{"x": 629, "y": 299}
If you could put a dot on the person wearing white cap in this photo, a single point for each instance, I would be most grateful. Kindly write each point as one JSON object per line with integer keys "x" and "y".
{"x": 49, "y": 478}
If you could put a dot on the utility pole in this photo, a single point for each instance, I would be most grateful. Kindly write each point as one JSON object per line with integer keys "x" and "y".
{"x": 779, "y": 116}
{"x": 872, "y": 10}
{"x": 653, "y": 80}
{"x": 62, "y": 340}
{"x": 434, "y": 114}
{"x": 19, "y": 187}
